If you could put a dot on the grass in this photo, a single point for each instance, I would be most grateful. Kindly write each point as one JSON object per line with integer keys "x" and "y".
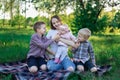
{"x": 14, "y": 45}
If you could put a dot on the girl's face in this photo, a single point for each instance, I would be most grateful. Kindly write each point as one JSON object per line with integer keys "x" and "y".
{"x": 42, "y": 29}
{"x": 56, "y": 23}
{"x": 63, "y": 29}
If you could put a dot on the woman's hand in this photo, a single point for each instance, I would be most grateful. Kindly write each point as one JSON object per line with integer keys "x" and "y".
{"x": 50, "y": 51}
{"x": 56, "y": 37}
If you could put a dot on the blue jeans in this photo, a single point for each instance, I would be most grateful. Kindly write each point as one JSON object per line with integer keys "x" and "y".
{"x": 65, "y": 64}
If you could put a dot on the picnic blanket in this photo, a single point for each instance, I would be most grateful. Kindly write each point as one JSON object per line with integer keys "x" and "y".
{"x": 20, "y": 71}
{"x": 103, "y": 69}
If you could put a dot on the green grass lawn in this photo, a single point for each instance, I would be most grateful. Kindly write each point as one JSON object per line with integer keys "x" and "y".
{"x": 14, "y": 45}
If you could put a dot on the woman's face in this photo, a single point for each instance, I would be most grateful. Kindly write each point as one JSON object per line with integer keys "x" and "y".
{"x": 56, "y": 23}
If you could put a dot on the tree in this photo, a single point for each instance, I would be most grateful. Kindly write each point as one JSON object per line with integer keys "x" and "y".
{"x": 87, "y": 12}
{"x": 53, "y": 7}
{"x": 10, "y": 7}
{"x": 116, "y": 20}
{"x": 4, "y": 8}
{"x": 18, "y": 11}
{"x": 24, "y": 11}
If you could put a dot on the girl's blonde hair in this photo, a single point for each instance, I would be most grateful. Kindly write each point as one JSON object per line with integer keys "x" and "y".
{"x": 85, "y": 33}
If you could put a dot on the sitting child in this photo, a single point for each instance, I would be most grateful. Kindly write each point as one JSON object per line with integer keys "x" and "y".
{"x": 62, "y": 50}
{"x": 36, "y": 57}
{"x": 84, "y": 54}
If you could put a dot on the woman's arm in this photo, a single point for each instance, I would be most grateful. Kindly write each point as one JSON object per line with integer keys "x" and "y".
{"x": 68, "y": 42}
{"x": 49, "y": 51}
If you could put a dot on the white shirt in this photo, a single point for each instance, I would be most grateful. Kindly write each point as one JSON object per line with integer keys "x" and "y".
{"x": 51, "y": 33}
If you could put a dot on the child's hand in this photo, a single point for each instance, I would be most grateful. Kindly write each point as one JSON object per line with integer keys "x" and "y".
{"x": 77, "y": 44}
{"x": 76, "y": 60}
{"x": 59, "y": 33}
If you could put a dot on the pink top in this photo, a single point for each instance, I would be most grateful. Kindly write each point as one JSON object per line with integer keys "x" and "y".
{"x": 68, "y": 36}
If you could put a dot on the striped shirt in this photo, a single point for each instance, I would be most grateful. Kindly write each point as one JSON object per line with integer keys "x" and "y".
{"x": 38, "y": 46}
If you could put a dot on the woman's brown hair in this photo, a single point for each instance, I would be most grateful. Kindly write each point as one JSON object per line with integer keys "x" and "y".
{"x": 57, "y": 17}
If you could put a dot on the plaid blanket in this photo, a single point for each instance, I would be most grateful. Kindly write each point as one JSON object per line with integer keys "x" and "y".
{"x": 103, "y": 69}
{"x": 20, "y": 72}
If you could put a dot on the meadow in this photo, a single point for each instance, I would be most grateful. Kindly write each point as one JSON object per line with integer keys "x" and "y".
{"x": 14, "y": 45}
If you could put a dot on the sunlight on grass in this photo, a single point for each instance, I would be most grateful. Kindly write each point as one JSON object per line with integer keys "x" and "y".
{"x": 97, "y": 38}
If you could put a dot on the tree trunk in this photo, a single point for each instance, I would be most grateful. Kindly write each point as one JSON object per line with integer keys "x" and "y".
{"x": 11, "y": 12}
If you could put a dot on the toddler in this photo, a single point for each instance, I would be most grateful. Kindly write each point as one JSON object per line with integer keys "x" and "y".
{"x": 84, "y": 54}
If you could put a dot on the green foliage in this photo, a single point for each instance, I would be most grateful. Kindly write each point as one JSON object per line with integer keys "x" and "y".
{"x": 113, "y": 30}
{"x": 45, "y": 19}
{"x": 20, "y": 21}
{"x": 116, "y": 30}
{"x": 0, "y": 5}
{"x": 4, "y": 22}
{"x": 108, "y": 30}
{"x": 17, "y": 20}
{"x": 116, "y": 20}
{"x": 29, "y": 21}
{"x": 87, "y": 15}
{"x": 101, "y": 24}
{"x": 53, "y": 7}
{"x": 67, "y": 19}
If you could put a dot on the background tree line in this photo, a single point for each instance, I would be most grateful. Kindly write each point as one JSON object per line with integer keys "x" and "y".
{"x": 87, "y": 13}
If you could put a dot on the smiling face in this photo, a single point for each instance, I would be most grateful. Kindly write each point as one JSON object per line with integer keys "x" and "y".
{"x": 56, "y": 23}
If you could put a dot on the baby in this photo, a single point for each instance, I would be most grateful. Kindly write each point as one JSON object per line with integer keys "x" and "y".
{"x": 62, "y": 50}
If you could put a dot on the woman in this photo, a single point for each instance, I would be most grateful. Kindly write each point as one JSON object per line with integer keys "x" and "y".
{"x": 67, "y": 64}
